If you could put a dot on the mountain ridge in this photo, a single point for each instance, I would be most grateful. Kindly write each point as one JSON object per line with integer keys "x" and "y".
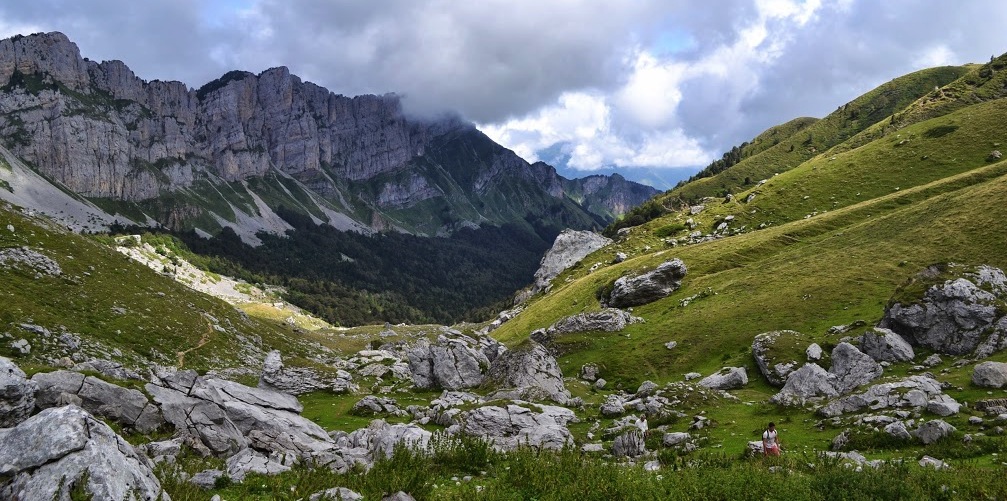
{"x": 126, "y": 143}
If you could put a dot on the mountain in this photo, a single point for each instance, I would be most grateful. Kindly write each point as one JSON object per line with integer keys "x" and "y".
{"x": 856, "y": 298}
{"x": 234, "y": 151}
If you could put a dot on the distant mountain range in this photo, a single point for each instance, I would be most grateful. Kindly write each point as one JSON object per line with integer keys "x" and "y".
{"x": 236, "y": 150}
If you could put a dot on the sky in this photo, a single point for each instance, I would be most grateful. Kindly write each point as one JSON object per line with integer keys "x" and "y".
{"x": 652, "y": 89}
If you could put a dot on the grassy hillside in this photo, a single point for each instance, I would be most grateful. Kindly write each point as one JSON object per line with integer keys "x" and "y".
{"x": 115, "y": 306}
{"x": 848, "y": 120}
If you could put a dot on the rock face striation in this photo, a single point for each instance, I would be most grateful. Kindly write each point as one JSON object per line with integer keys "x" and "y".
{"x": 17, "y": 394}
{"x": 103, "y": 132}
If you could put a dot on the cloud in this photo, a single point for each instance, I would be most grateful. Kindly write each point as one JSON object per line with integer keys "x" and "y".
{"x": 635, "y": 83}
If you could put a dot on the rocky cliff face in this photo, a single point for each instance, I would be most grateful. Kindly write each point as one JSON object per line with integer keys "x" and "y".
{"x": 107, "y": 134}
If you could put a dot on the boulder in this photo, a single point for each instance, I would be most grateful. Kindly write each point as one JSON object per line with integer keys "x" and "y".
{"x": 17, "y": 394}
{"x": 776, "y": 354}
{"x": 647, "y": 287}
{"x": 956, "y": 317}
{"x": 300, "y": 380}
{"x": 606, "y": 320}
{"x": 373, "y": 405}
{"x": 451, "y": 363}
{"x": 589, "y": 372}
{"x": 612, "y": 407}
{"x": 629, "y": 444}
{"x": 990, "y": 375}
{"x": 569, "y": 247}
{"x": 675, "y": 438}
{"x": 727, "y": 378}
{"x": 125, "y": 406}
{"x": 883, "y": 345}
{"x": 813, "y": 353}
{"x": 336, "y": 494}
{"x": 48, "y": 454}
{"x": 380, "y": 438}
{"x": 932, "y": 431}
{"x": 943, "y": 405}
{"x": 207, "y": 479}
{"x": 532, "y": 371}
{"x": 808, "y": 382}
{"x": 911, "y": 392}
{"x": 249, "y": 461}
{"x": 513, "y": 425}
{"x": 898, "y": 430}
{"x": 852, "y": 367}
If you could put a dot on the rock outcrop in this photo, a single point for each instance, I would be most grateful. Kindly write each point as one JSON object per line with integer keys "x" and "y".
{"x": 528, "y": 372}
{"x": 102, "y": 131}
{"x": 125, "y": 406}
{"x": 569, "y": 247}
{"x": 884, "y": 345}
{"x": 516, "y": 425}
{"x": 809, "y": 382}
{"x": 852, "y": 367}
{"x": 958, "y": 316}
{"x": 914, "y": 392}
{"x": 728, "y": 378}
{"x": 50, "y": 453}
{"x": 17, "y": 394}
{"x": 990, "y": 375}
{"x": 647, "y": 287}
{"x": 453, "y": 362}
{"x": 932, "y": 431}
{"x": 772, "y": 356}
{"x": 606, "y": 320}
{"x": 299, "y": 380}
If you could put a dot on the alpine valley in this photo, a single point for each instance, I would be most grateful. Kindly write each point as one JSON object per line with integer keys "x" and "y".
{"x": 259, "y": 289}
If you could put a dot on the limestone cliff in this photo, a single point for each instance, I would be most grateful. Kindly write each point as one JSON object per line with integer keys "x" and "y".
{"x": 240, "y": 146}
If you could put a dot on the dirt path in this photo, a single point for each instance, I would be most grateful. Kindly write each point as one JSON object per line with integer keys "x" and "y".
{"x": 202, "y": 341}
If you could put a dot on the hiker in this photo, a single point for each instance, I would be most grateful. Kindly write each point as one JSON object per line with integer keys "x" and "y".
{"x": 770, "y": 441}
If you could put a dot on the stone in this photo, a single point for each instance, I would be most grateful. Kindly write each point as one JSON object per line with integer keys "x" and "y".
{"x": 606, "y": 320}
{"x": 852, "y": 367}
{"x": 898, "y": 430}
{"x": 612, "y": 407}
{"x": 249, "y": 461}
{"x": 975, "y": 420}
{"x": 380, "y": 438}
{"x": 930, "y": 462}
{"x": 646, "y": 388}
{"x": 569, "y": 247}
{"x": 932, "y": 431}
{"x": 165, "y": 450}
{"x": 600, "y": 384}
{"x": 932, "y": 360}
{"x": 206, "y": 479}
{"x": 727, "y": 378}
{"x": 125, "y": 406}
{"x": 336, "y": 494}
{"x": 452, "y": 363}
{"x": 775, "y": 363}
{"x": 531, "y": 369}
{"x": 46, "y": 455}
{"x": 840, "y": 441}
{"x": 943, "y": 405}
{"x": 108, "y": 368}
{"x": 648, "y": 287}
{"x": 671, "y": 345}
{"x": 813, "y": 352}
{"x": 883, "y": 345}
{"x": 914, "y": 391}
{"x": 619, "y": 257}
{"x": 372, "y": 405}
{"x": 398, "y": 496}
{"x": 956, "y": 317}
{"x": 300, "y": 380}
{"x": 17, "y": 394}
{"x": 629, "y": 444}
{"x": 21, "y": 346}
{"x": 513, "y": 425}
{"x": 29, "y": 259}
{"x": 589, "y": 372}
{"x": 990, "y": 375}
{"x": 689, "y": 376}
{"x": 675, "y": 439}
{"x": 809, "y": 382}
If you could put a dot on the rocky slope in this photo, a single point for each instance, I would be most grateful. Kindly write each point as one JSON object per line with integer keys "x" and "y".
{"x": 232, "y": 151}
